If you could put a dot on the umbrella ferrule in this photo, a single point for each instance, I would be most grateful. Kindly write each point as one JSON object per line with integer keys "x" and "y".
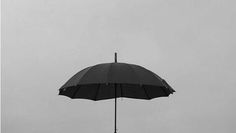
{"x": 115, "y": 57}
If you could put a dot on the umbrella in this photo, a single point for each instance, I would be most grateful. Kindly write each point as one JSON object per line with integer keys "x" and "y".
{"x": 114, "y": 80}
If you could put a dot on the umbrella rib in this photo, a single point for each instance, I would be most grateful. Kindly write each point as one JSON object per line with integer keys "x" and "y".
{"x": 168, "y": 86}
{"x": 89, "y": 68}
{"x": 76, "y": 91}
{"x": 133, "y": 70}
{"x": 146, "y": 92}
{"x": 98, "y": 88}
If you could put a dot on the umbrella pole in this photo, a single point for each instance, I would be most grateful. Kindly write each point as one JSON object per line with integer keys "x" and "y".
{"x": 115, "y": 95}
{"x": 115, "y": 109}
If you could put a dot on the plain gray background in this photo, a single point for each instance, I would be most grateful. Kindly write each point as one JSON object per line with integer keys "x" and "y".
{"x": 190, "y": 43}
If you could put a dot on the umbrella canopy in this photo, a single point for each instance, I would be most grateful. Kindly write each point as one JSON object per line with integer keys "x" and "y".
{"x": 114, "y": 80}
{"x": 132, "y": 81}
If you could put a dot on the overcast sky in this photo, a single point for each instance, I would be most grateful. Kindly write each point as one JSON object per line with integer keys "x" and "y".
{"x": 190, "y": 43}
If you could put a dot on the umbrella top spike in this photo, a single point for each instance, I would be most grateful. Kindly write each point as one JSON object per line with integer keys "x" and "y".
{"x": 115, "y": 57}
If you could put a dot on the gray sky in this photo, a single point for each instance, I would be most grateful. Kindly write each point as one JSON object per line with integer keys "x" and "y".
{"x": 190, "y": 43}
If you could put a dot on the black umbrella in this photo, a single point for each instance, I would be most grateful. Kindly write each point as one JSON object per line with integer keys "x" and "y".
{"x": 114, "y": 80}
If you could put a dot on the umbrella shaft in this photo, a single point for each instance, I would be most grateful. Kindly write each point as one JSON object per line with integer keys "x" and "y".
{"x": 115, "y": 107}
